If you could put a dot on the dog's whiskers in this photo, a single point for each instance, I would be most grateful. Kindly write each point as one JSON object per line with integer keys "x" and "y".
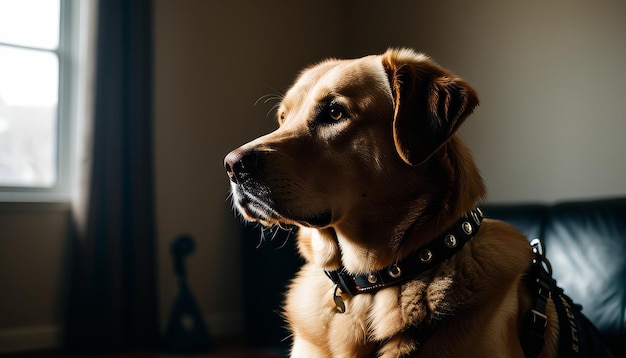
{"x": 268, "y": 98}
{"x": 274, "y": 230}
{"x": 274, "y": 107}
{"x": 261, "y": 237}
{"x": 288, "y": 337}
{"x": 289, "y": 233}
{"x": 264, "y": 98}
{"x": 276, "y": 97}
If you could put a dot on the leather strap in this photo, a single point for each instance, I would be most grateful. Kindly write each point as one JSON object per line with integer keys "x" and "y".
{"x": 534, "y": 326}
{"x": 578, "y": 337}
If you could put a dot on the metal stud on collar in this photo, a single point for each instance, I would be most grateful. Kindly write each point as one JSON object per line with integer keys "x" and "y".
{"x": 450, "y": 241}
{"x": 394, "y": 271}
{"x": 474, "y": 216}
{"x": 467, "y": 227}
{"x": 372, "y": 278}
{"x": 426, "y": 256}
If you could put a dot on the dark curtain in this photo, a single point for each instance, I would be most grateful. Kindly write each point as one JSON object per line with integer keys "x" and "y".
{"x": 112, "y": 301}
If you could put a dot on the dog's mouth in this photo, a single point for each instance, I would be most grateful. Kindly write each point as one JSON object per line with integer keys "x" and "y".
{"x": 254, "y": 201}
{"x": 318, "y": 221}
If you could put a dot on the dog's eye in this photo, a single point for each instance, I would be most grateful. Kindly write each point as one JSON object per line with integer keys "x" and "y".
{"x": 329, "y": 114}
{"x": 336, "y": 113}
{"x": 333, "y": 113}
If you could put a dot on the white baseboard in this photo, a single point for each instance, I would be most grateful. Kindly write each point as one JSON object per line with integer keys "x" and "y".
{"x": 30, "y": 338}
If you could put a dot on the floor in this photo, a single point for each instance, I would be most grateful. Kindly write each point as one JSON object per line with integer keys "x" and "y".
{"x": 221, "y": 350}
{"x": 226, "y": 353}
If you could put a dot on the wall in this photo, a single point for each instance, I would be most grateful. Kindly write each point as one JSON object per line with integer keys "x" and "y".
{"x": 32, "y": 265}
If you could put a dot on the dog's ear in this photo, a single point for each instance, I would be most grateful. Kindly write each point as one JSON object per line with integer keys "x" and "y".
{"x": 430, "y": 104}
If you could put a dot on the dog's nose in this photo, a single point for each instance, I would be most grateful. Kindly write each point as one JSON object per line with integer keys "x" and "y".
{"x": 240, "y": 164}
{"x": 233, "y": 165}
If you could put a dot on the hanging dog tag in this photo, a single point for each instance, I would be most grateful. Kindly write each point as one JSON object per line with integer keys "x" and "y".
{"x": 339, "y": 304}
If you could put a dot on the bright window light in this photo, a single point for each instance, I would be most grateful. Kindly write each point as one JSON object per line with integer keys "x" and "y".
{"x": 29, "y": 92}
{"x": 31, "y": 23}
{"x": 28, "y": 78}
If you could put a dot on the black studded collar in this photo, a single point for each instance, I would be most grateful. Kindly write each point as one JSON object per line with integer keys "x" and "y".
{"x": 437, "y": 251}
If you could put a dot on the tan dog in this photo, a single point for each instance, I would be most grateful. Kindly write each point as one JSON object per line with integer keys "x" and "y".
{"x": 367, "y": 163}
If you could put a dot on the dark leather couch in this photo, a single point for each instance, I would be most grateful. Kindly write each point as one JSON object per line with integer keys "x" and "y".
{"x": 585, "y": 242}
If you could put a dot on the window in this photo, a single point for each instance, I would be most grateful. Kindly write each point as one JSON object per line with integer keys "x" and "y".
{"x": 36, "y": 76}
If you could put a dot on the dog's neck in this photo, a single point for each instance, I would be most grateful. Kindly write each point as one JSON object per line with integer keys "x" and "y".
{"x": 357, "y": 245}
{"x": 436, "y": 252}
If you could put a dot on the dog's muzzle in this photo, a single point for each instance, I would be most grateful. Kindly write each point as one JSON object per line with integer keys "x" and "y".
{"x": 253, "y": 194}
{"x": 251, "y": 197}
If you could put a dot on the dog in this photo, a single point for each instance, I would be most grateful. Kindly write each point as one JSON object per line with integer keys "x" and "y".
{"x": 400, "y": 261}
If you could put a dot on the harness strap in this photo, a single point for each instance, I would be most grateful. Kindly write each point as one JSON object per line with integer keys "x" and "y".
{"x": 578, "y": 337}
{"x": 536, "y": 320}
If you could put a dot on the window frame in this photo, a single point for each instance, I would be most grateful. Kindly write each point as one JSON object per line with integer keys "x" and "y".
{"x": 67, "y": 113}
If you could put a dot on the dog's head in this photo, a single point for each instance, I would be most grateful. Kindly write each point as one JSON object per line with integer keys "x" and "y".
{"x": 356, "y": 142}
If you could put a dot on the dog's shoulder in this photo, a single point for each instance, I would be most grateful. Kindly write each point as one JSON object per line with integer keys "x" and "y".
{"x": 500, "y": 249}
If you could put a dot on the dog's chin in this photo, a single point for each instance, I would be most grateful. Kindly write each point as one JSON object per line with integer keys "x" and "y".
{"x": 257, "y": 213}
{"x": 257, "y": 209}
{"x": 318, "y": 221}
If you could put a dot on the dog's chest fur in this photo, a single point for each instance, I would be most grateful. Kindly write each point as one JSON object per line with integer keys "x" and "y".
{"x": 370, "y": 319}
{"x": 407, "y": 320}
